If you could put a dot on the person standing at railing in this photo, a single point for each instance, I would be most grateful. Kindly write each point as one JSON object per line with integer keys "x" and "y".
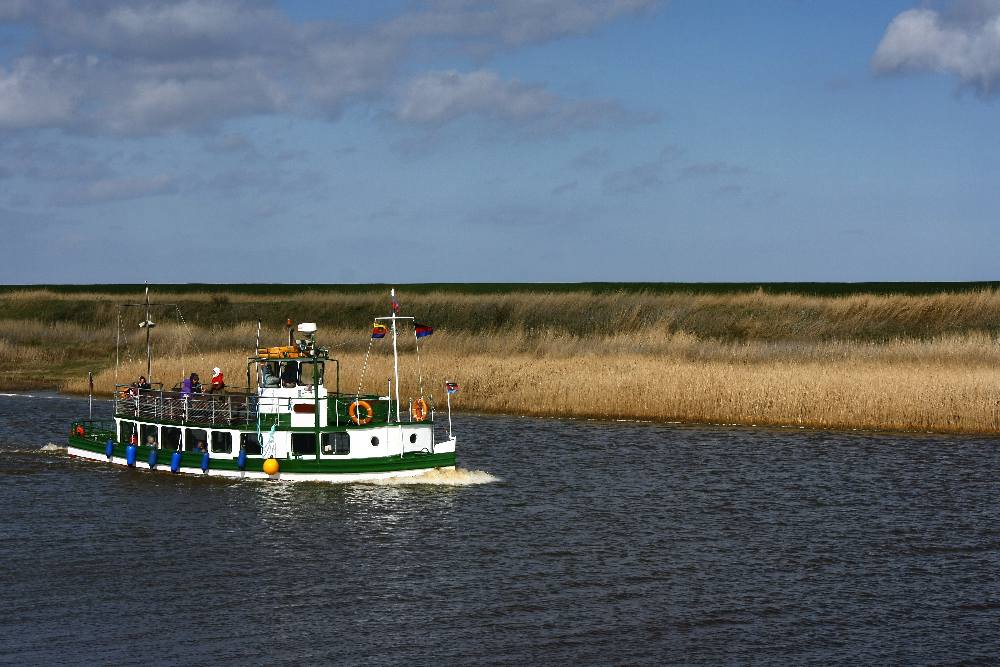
{"x": 218, "y": 382}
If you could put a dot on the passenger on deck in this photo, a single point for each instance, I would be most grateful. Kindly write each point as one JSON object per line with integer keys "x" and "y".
{"x": 142, "y": 383}
{"x": 195, "y": 384}
{"x": 218, "y": 382}
{"x": 186, "y": 387}
{"x": 267, "y": 377}
{"x": 289, "y": 374}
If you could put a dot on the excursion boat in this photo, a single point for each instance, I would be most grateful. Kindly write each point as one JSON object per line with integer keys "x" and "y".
{"x": 283, "y": 425}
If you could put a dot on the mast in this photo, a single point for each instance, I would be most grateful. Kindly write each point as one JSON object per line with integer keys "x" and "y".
{"x": 149, "y": 350}
{"x": 395, "y": 353}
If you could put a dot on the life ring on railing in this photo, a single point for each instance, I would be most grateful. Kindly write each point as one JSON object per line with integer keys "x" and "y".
{"x": 80, "y": 431}
{"x": 125, "y": 394}
{"x": 358, "y": 419}
{"x": 420, "y": 410}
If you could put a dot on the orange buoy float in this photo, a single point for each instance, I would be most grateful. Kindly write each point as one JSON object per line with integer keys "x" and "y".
{"x": 357, "y": 418}
{"x": 420, "y": 410}
{"x": 271, "y": 466}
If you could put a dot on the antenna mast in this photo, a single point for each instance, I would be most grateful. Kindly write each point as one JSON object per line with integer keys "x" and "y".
{"x": 149, "y": 350}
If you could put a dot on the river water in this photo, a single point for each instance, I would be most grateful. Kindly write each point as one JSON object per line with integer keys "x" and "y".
{"x": 578, "y": 543}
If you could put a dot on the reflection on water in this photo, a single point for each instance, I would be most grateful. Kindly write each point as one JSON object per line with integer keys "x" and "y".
{"x": 599, "y": 543}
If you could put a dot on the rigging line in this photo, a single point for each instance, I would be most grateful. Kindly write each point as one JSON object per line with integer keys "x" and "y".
{"x": 420, "y": 373}
{"x": 364, "y": 367}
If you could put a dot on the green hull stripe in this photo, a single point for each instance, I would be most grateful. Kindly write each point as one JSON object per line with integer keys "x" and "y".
{"x": 409, "y": 461}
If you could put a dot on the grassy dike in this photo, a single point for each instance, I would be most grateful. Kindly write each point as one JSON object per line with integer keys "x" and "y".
{"x": 872, "y": 356}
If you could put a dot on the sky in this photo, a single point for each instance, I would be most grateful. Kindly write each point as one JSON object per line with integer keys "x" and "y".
{"x": 520, "y": 141}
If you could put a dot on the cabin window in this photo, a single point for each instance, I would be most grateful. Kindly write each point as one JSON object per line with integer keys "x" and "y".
{"x": 250, "y": 443}
{"x": 374, "y": 441}
{"x": 336, "y": 443}
{"x": 413, "y": 438}
{"x": 192, "y": 436}
{"x": 306, "y": 372}
{"x": 289, "y": 374}
{"x": 222, "y": 442}
{"x": 304, "y": 444}
{"x": 125, "y": 432}
{"x": 171, "y": 437}
{"x": 145, "y": 431}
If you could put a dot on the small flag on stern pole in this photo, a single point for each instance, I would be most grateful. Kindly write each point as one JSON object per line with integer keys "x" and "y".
{"x": 395, "y": 302}
{"x": 379, "y": 330}
{"x": 452, "y": 387}
{"x": 422, "y": 330}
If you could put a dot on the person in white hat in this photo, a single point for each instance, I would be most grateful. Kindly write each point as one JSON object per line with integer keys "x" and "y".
{"x": 218, "y": 383}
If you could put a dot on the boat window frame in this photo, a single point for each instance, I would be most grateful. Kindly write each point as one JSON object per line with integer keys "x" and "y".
{"x": 143, "y": 433}
{"x": 300, "y": 435}
{"x": 245, "y": 437}
{"x": 122, "y": 438}
{"x": 220, "y": 434}
{"x": 173, "y": 429}
{"x": 187, "y": 431}
{"x": 307, "y": 381}
{"x": 335, "y": 451}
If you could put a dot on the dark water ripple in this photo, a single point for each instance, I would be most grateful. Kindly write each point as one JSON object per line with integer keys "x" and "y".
{"x": 601, "y": 544}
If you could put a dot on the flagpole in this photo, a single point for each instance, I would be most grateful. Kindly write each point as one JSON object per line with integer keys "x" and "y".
{"x": 90, "y": 382}
{"x": 447, "y": 392}
{"x": 395, "y": 353}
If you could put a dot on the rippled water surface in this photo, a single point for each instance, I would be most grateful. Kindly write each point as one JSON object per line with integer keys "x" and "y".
{"x": 598, "y": 543}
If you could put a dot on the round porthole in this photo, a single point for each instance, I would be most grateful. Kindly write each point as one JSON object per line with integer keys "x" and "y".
{"x": 374, "y": 441}
{"x": 413, "y": 437}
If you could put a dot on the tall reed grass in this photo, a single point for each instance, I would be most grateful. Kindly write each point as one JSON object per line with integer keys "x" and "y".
{"x": 907, "y": 362}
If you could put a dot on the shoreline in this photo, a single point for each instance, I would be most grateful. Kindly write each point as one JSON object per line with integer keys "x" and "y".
{"x": 624, "y": 420}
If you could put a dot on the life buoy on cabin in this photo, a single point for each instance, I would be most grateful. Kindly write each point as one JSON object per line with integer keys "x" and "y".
{"x": 358, "y": 419}
{"x": 80, "y": 431}
{"x": 420, "y": 410}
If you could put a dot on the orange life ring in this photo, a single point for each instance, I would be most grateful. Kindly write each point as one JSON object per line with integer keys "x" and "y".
{"x": 80, "y": 431}
{"x": 420, "y": 410}
{"x": 358, "y": 419}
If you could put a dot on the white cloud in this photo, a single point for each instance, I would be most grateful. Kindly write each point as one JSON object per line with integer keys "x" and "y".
{"x": 436, "y": 97}
{"x": 964, "y": 43}
{"x": 136, "y": 68}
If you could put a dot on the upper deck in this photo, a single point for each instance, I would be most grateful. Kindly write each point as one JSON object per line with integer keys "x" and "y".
{"x": 243, "y": 407}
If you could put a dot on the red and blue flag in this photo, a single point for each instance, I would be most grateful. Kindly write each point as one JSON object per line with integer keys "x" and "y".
{"x": 452, "y": 387}
{"x": 379, "y": 330}
{"x": 422, "y": 330}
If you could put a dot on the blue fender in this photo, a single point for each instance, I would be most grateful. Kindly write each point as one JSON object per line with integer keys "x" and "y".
{"x": 152, "y": 458}
{"x": 175, "y": 462}
{"x": 130, "y": 452}
{"x": 241, "y": 460}
{"x": 109, "y": 449}
{"x": 204, "y": 462}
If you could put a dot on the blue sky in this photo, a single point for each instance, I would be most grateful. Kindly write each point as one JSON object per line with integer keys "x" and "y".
{"x": 529, "y": 140}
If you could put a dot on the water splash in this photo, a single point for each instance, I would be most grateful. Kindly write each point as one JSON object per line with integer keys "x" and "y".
{"x": 441, "y": 477}
{"x": 53, "y": 447}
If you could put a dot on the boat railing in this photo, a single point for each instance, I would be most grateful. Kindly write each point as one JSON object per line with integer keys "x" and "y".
{"x": 230, "y": 407}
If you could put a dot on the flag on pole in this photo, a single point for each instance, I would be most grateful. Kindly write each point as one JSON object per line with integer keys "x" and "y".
{"x": 395, "y": 302}
{"x": 379, "y": 330}
{"x": 422, "y": 330}
{"x": 452, "y": 387}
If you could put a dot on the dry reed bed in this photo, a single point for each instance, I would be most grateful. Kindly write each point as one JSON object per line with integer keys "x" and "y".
{"x": 863, "y": 361}
{"x": 857, "y": 393}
